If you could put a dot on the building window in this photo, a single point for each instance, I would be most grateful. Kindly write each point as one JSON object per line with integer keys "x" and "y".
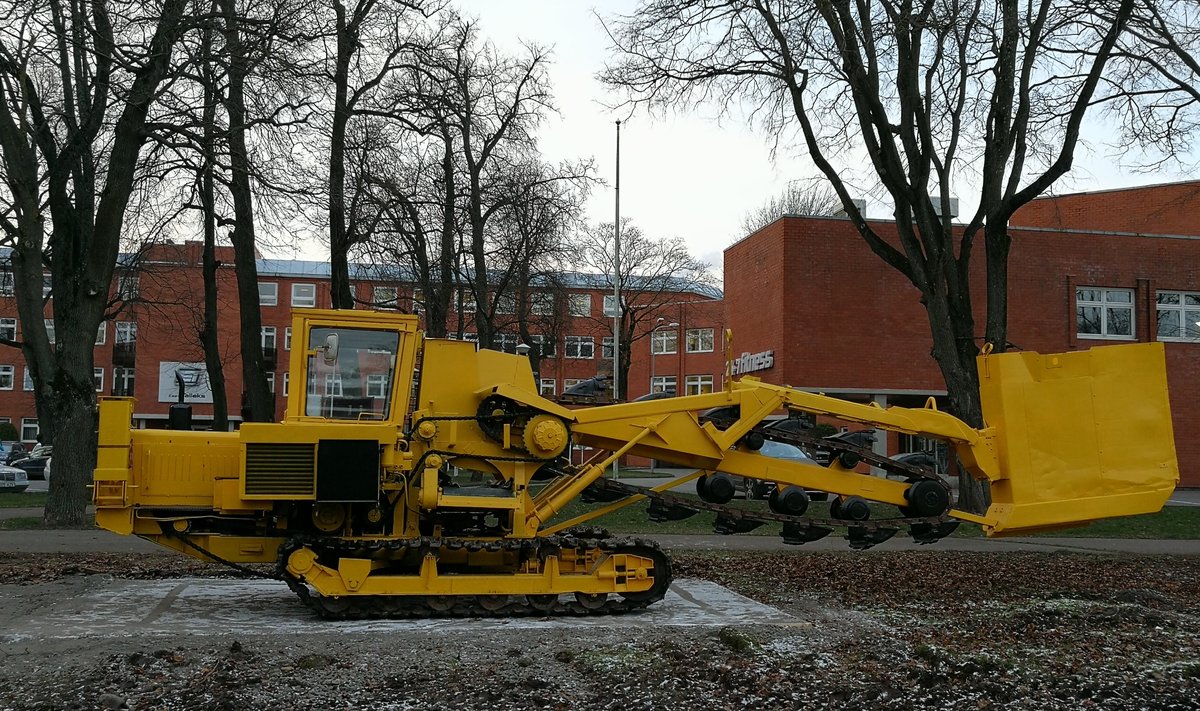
{"x": 664, "y": 342}
{"x": 1104, "y": 313}
{"x": 29, "y": 429}
{"x": 385, "y": 297}
{"x": 98, "y": 379}
{"x": 7, "y": 286}
{"x": 101, "y": 333}
{"x": 127, "y": 287}
{"x": 543, "y": 345}
{"x": 610, "y": 305}
{"x": 580, "y": 304}
{"x": 699, "y": 384}
{"x": 268, "y": 293}
{"x": 1178, "y": 316}
{"x": 28, "y": 384}
{"x": 8, "y": 329}
{"x": 286, "y": 383}
{"x": 606, "y": 348}
{"x": 663, "y": 383}
{"x": 47, "y": 285}
{"x": 546, "y": 387}
{"x": 123, "y": 382}
{"x": 506, "y": 304}
{"x": 268, "y": 338}
{"x": 304, "y": 295}
{"x": 377, "y": 386}
{"x": 271, "y": 381}
{"x": 418, "y": 301}
{"x": 569, "y": 383}
{"x": 333, "y": 384}
{"x": 506, "y": 342}
{"x": 50, "y": 336}
{"x": 287, "y": 338}
{"x": 466, "y": 301}
{"x": 541, "y": 303}
{"x": 699, "y": 340}
{"x": 126, "y": 331}
{"x": 8, "y": 375}
{"x": 580, "y": 347}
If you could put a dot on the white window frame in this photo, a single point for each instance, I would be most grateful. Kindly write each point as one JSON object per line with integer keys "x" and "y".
{"x": 27, "y": 422}
{"x": 1181, "y": 309}
{"x": 697, "y": 336}
{"x": 606, "y": 348}
{"x": 286, "y": 382}
{"x": 569, "y": 383}
{"x": 664, "y": 342}
{"x": 376, "y": 386}
{"x": 333, "y": 384}
{"x": 268, "y": 337}
{"x": 270, "y": 381}
{"x": 8, "y": 285}
{"x": 27, "y": 384}
{"x": 1106, "y": 306}
{"x": 579, "y": 304}
{"x": 547, "y": 387}
{"x": 663, "y": 383}
{"x": 578, "y": 345}
{"x": 269, "y": 297}
{"x": 126, "y": 332}
{"x": 8, "y": 377}
{"x": 300, "y": 301}
{"x": 506, "y": 304}
{"x": 541, "y": 303}
{"x": 544, "y": 344}
{"x": 610, "y": 305}
{"x": 694, "y": 384}
{"x": 102, "y": 333}
{"x": 128, "y": 286}
{"x": 287, "y": 338}
{"x": 126, "y": 378}
{"x": 50, "y": 332}
{"x": 467, "y": 298}
{"x": 384, "y": 297}
{"x": 9, "y": 326}
{"x": 98, "y": 379}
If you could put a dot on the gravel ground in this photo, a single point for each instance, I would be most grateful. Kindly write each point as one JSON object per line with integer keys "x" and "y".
{"x": 883, "y": 630}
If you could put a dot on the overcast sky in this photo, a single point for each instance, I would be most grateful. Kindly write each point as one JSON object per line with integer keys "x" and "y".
{"x": 686, "y": 175}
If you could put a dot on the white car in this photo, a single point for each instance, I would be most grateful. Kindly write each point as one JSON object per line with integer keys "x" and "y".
{"x": 13, "y": 480}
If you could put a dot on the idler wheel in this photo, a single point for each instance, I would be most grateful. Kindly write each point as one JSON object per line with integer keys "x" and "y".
{"x": 591, "y": 601}
{"x": 791, "y": 501}
{"x": 927, "y": 498}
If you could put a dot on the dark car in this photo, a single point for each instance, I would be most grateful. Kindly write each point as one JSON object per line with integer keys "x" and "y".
{"x": 35, "y": 464}
{"x": 11, "y": 452}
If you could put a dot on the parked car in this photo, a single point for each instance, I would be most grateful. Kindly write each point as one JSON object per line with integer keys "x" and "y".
{"x": 12, "y": 451}
{"x": 13, "y": 480}
{"x": 778, "y": 450}
{"x": 35, "y": 464}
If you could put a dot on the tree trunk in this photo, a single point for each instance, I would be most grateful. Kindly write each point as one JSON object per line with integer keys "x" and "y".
{"x": 259, "y": 405}
{"x": 72, "y": 425}
{"x": 208, "y": 332}
{"x": 339, "y": 247}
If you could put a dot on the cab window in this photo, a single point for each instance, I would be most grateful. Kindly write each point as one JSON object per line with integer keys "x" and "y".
{"x": 350, "y": 373}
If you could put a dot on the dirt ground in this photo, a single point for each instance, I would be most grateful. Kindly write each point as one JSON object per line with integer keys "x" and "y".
{"x": 882, "y": 630}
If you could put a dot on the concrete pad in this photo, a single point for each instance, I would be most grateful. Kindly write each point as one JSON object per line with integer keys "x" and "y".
{"x": 206, "y": 607}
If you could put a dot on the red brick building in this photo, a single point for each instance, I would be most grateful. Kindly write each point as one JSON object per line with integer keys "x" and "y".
{"x": 157, "y": 333}
{"x": 836, "y": 319}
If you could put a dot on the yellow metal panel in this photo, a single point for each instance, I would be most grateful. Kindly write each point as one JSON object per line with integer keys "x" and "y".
{"x": 178, "y": 468}
{"x": 1079, "y": 436}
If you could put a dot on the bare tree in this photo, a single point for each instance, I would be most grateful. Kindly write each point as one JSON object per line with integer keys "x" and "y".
{"x": 77, "y": 83}
{"x": 798, "y": 198}
{"x": 922, "y": 92}
{"x": 654, "y": 273}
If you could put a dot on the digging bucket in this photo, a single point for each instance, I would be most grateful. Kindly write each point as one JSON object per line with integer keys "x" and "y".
{"x": 1079, "y": 436}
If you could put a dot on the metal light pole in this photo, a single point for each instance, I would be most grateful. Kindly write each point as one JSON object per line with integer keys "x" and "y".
{"x": 617, "y": 290}
{"x": 652, "y": 332}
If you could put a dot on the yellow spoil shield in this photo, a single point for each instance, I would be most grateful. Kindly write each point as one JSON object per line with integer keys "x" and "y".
{"x": 1079, "y": 436}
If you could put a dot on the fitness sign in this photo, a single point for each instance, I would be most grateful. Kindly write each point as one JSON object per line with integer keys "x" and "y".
{"x": 751, "y": 362}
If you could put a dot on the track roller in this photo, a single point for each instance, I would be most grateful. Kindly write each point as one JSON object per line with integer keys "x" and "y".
{"x": 791, "y": 501}
{"x": 717, "y": 488}
{"x": 851, "y": 508}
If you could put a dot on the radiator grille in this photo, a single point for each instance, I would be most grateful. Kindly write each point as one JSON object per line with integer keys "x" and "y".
{"x": 280, "y": 470}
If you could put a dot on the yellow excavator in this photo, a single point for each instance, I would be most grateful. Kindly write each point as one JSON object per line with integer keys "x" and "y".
{"x": 419, "y": 477}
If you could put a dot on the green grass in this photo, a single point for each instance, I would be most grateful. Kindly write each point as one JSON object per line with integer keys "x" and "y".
{"x": 1175, "y": 522}
{"x": 24, "y": 499}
